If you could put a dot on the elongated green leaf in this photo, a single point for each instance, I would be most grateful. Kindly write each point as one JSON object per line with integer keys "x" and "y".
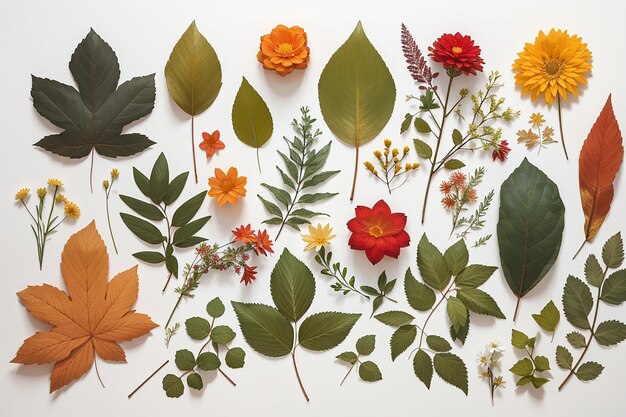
{"x": 190, "y": 241}
{"x": 173, "y": 386}
{"x": 457, "y": 313}
{"x": 319, "y": 178}
{"x": 197, "y": 328}
{"x": 271, "y": 207}
{"x": 548, "y": 318}
{"x": 453, "y": 164}
{"x": 171, "y": 263}
{"x": 474, "y": 275}
{"x": 292, "y": 286}
{"x": 402, "y": 339}
{"x": 188, "y": 209}
{"x": 159, "y": 178}
{"x": 613, "y": 251}
{"x": 188, "y": 230}
{"x": 452, "y": 370}
{"x": 589, "y": 371}
{"x": 457, "y": 137}
{"x": 593, "y": 271}
{"x": 461, "y": 333}
{"x": 356, "y": 91}
{"x": 142, "y": 182}
{"x": 432, "y": 265}
{"x": 235, "y": 358}
{"x": 421, "y": 125}
{"x": 614, "y": 288}
{"x": 577, "y": 302}
{"x": 479, "y": 302}
{"x": 420, "y": 297}
{"x": 394, "y": 318}
{"x": 576, "y": 339}
{"x": 610, "y": 332}
{"x": 422, "y": 148}
{"x": 282, "y": 196}
{"x": 423, "y": 367}
{"x": 265, "y": 329}
{"x": 438, "y": 343}
{"x": 252, "y": 120}
{"x": 150, "y": 257}
{"x": 142, "y": 229}
{"x": 323, "y": 331}
{"x": 175, "y": 188}
{"x": 530, "y": 227}
{"x": 193, "y": 72}
{"x": 312, "y": 198}
{"x": 564, "y": 358}
{"x": 369, "y": 372}
{"x": 456, "y": 257}
{"x": 142, "y": 208}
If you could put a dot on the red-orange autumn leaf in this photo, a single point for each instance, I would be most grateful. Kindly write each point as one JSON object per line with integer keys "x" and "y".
{"x": 90, "y": 318}
{"x": 600, "y": 159}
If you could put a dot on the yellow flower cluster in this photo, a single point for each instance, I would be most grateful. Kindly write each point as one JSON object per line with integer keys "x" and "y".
{"x": 391, "y": 163}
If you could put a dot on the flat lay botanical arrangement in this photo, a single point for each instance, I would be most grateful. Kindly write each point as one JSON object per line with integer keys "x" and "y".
{"x": 369, "y": 232}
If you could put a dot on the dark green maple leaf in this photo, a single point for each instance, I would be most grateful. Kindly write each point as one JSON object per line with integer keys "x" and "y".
{"x": 92, "y": 117}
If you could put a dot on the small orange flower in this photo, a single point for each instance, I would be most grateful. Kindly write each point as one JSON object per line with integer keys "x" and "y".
{"x": 458, "y": 179}
{"x": 249, "y": 274}
{"x": 472, "y": 195}
{"x": 448, "y": 202}
{"x": 284, "y": 49}
{"x": 263, "y": 243}
{"x": 244, "y": 234}
{"x": 227, "y": 188}
{"x": 211, "y": 143}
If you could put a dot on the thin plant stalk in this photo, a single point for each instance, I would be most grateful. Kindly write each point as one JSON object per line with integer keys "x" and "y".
{"x": 558, "y": 100}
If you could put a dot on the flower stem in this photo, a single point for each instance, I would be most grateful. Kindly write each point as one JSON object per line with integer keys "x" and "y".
{"x": 558, "y": 99}
{"x": 227, "y": 377}
{"x": 193, "y": 150}
{"x": 180, "y": 298}
{"x": 295, "y": 366}
{"x": 356, "y": 167}
{"x": 148, "y": 379}
{"x": 109, "y": 219}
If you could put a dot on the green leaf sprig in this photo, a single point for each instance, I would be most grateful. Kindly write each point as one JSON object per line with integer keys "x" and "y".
{"x": 303, "y": 165}
{"x": 368, "y": 370}
{"x": 181, "y": 229}
{"x": 548, "y": 318}
{"x": 274, "y": 331}
{"x": 578, "y": 304}
{"x": 527, "y": 368}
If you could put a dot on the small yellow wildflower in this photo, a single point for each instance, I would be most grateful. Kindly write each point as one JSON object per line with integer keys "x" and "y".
{"x": 318, "y": 237}
{"x": 387, "y": 143}
{"x": 115, "y": 173}
{"x": 41, "y": 192}
{"x": 55, "y": 182}
{"x": 405, "y": 150}
{"x": 395, "y": 152}
{"x": 536, "y": 119}
{"x": 60, "y": 198}
{"x": 105, "y": 184}
{"x": 71, "y": 210}
{"x": 22, "y": 194}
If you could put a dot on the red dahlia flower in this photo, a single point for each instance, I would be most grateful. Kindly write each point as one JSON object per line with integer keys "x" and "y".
{"x": 378, "y": 232}
{"x": 457, "y": 54}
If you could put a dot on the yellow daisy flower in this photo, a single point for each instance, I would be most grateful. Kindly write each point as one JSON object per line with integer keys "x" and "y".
{"x": 55, "y": 182}
{"x": 21, "y": 194}
{"x": 60, "y": 198}
{"x": 41, "y": 192}
{"x": 115, "y": 173}
{"x": 318, "y": 237}
{"x": 71, "y": 210}
{"x": 536, "y": 119}
{"x": 105, "y": 184}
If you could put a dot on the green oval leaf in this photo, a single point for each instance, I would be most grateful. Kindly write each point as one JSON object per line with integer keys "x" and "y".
{"x": 349, "y": 357}
{"x": 222, "y": 335}
{"x": 438, "y": 343}
{"x": 150, "y": 257}
{"x": 235, "y": 358}
{"x": 265, "y": 329}
{"x": 323, "y": 331}
{"x": 423, "y": 367}
{"x": 523, "y": 367}
{"x": 613, "y": 251}
{"x": 577, "y": 302}
{"x": 159, "y": 178}
{"x": 433, "y": 267}
{"x": 197, "y": 328}
{"x": 369, "y": 372}
{"x": 252, "y": 120}
{"x": 479, "y": 302}
{"x": 610, "y": 332}
{"x": 194, "y": 380}
{"x": 142, "y": 229}
{"x": 564, "y": 358}
{"x": 208, "y": 361}
{"x": 474, "y": 275}
{"x": 185, "y": 360}
{"x": 188, "y": 209}
{"x": 421, "y": 125}
{"x": 193, "y": 72}
{"x": 456, "y": 257}
{"x": 576, "y": 339}
{"x": 215, "y": 308}
{"x": 614, "y": 288}
{"x": 292, "y": 286}
{"x": 457, "y": 137}
{"x": 453, "y": 164}
{"x": 394, "y": 318}
{"x": 173, "y": 386}
{"x": 422, "y": 148}
{"x": 420, "y": 297}
{"x": 589, "y": 371}
{"x": 366, "y": 344}
{"x": 530, "y": 227}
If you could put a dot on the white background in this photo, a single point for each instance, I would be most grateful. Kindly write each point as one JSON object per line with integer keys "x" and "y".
{"x": 39, "y": 37}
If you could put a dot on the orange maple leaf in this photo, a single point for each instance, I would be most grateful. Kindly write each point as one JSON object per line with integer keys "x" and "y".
{"x": 600, "y": 159}
{"x": 90, "y": 318}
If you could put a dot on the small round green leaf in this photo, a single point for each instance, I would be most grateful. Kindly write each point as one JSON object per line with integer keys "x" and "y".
{"x": 369, "y": 372}
{"x": 197, "y": 328}
{"x": 194, "y": 380}
{"x": 185, "y": 360}
{"x": 235, "y": 358}
{"x": 173, "y": 386}
{"x": 215, "y": 308}
{"x": 208, "y": 361}
{"x": 365, "y": 345}
{"x": 222, "y": 335}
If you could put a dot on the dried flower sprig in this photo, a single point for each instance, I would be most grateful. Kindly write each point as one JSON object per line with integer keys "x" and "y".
{"x": 108, "y": 185}
{"x": 489, "y": 364}
{"x": 391, "y": 166}
{"x": 539, "y": 137}
{"x": 43, "y": 226}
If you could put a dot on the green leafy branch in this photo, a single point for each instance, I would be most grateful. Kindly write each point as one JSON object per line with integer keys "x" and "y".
{"x": 368, "y": 370}
{"x": 274, "y": 331}
{"x": 303, "y": 167}
{"x": 578, "y": 304}
{"x": 527, "y": 368}
{"x": 181, "y": 229}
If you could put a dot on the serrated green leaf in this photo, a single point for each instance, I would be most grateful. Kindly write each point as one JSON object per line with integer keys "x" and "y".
{"x": 252, "y": 120}
{"x": 593, "y": 271}
{"x": 457, "y": 137}
{"x": 208, "y": 361}
{"x": 323, "y": 331}
{"x": 194, "y": 380}
{"x": 215, "y": 308}
{"x": 589, "y": 371}
{"x": 319, "y": 178}
{"x": 235, "y": 358}
{"x": 538, "y": 382}
{"x": 577, "y": 302}
{"x": 438, "y": 343}
{"x": 610, "y": 332}
{"x": 187, "y": 231}
{"x": 394, "y": 318}
{"x": 421, "y": 125}
{"x": 366, "y": 344}
{"x": 419, "y": 296}
{"x": 150, "y": 257}
{"x": 197, "y": 328}
{"x": 548, "y": 318}
{"x": 564, "y": 358}
{"x": 479, "y": 302}
{"x": 185, "y": 360}
{"x": 523, "y": 367}
{"x": 518, "y": 339}
{"x": 188, "y": 209}
{"x": 542, "y": 364}
{"x": 406, "y": 123}
{"x": 222, "y": 335}
{"x": 423, "y": 367}
{"x": 451, "y": 369}
{"x": 457, "y": 313}
{"x": 142, "y": 229}
{"x": 349, "y": 357}
{"x": 456, "y": 257}
{"x": 453, "y": 164}
{"x": 173, "y": 386}
{"x": 265, "y": 329}
{"x": 369, "y": 372}
{"x": 282, "y": 196}
{"x": 422, "y": 148}
{"x": 313, "y": 198}
{"x": 142, "y": 208}
{"x": 613, "y": 251}
{"x": 474, "y": 275}
{"x": 175, "y": 188}
{"x": 530, "y": 227}
{"x": 576, "y": 339}
{"x": 292, "y": 286}
{"x": 432, "y": 266}
{"x": 401, "y": 339}
{"x": 614, "y": 288}
{"x": 460, "y": 334}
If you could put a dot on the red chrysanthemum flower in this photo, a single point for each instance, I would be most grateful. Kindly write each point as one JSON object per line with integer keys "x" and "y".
{"x": 502, "y": 151}
{"x": 378, "y": 232}
{"x": 457, "y": 53}
{"x": 249, "y": 274}
{"x": 263, "y": 244}
{"x": 244, "y": 234}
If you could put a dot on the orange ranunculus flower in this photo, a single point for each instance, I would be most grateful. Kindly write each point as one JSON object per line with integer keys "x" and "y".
{"x": 227, "y": 187}
{"x": 284, "y": 49}
{"x": 211, "y": 143}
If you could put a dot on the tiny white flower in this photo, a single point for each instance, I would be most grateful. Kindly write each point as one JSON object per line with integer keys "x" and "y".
{"x": 495, "y": 347}
{"x": 484, "y": 359}
{"x": 495, "y": 363}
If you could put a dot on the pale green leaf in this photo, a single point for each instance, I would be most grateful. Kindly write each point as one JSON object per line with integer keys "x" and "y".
{"x": 349, "y": 357}
{"x": 548, "y": 318}
{"x": 421, "y": 125}
{"x": 542, "y": 364}
{"x": 564, "y": 358}
{"x": 252, "y": 120}
{"x": 518, "y": 339}
{"x": 453, "y": 164}
{"x": 422, "y": 148}
{"x": 538, "y": 382}
{"x": 523, "y": 367}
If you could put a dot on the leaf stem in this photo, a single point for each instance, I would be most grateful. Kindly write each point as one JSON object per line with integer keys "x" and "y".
{"x": 295, "y": 366}
{"x": 180, "y": 298}
{"x": 443, "y": 297}
{"x": 519, "y": 298}
{"x": 579, "y": 249}
{"x": 227, "y": 377}
{"x": 95, "y": 362}
{"x": 558, "y": 98}
{"x": 258, "y": 162}
{"x": 349, "y": 370}
{"x": 148, "y": 379}
{"x": 93, "y": 150}
{"x": 193, "y": 150}
{"x": 356, "y": 167}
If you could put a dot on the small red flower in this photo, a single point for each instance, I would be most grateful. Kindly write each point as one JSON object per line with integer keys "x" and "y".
{"x": 457, "y": 53}
{"x": 263, "y": 244}
{"x": 378, "y": 232}
{"x": 448, "y": 202}
{"x": 445, "y": 187}
{"x": 502, "y": 151}
{"x": 211, "y": 143}
{"x": 249, "y": 274}
{"x": 458, "y": 179}
{"x": 244, "y": 234}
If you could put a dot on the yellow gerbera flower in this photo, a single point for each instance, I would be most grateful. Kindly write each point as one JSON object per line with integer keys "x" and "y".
{"x": 553, "y": 66}
{"x": 55, "y": 182}
{"x": 318, "y": 237}
{"x": 71, "y": 210}
{"x": 21, "y": 194}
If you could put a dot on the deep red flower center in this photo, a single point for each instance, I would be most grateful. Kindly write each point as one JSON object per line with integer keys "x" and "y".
{"x": 376, "y": 231}
{"x": 457, "y": 49}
